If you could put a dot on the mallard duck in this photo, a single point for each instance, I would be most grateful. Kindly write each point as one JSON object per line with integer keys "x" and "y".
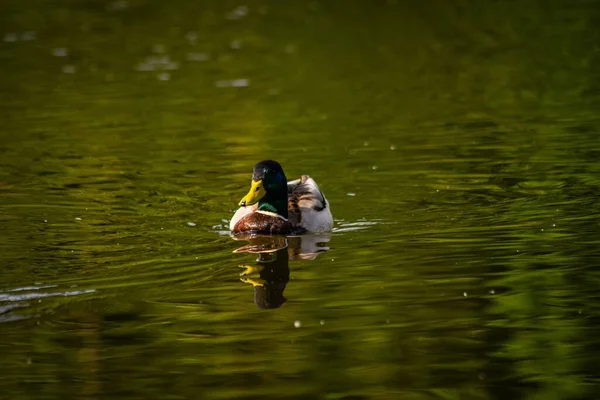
{"x": 275, "y": 206}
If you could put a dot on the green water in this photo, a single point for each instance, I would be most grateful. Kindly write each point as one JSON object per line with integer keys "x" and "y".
{"x": 457, "y": 142}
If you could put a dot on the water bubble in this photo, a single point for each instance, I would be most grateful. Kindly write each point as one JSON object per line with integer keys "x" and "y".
{"x": 392, "y": 147}
{"x": 60, "y": 52}
{"x": 191, "y": 224}
{"x": 164, "y": 76}
{"x": 297, "y": 324}
{"x": 236, "y": 44}
{"x": 351, "y": 194}
{"x": 465, "y": 294}
{"x": 322, "y": 322}
{"x": 492, "y": 291}
{"x": 77, "y": 219}
{"x": 374, "y": 167}
{"x": 365, "y": 144}
{"x": 45, "y": 220}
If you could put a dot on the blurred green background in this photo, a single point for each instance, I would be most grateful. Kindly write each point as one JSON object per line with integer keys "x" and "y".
{"x": 457, "y": 142}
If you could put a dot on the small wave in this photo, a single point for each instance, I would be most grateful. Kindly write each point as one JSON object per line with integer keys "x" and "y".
{"x": 15, "y": 299}
{"x": 35, "y": 296}
{"x": 32, "y": 288}
{"x": 359, "y": 225}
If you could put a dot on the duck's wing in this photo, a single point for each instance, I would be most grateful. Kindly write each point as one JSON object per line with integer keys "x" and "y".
{"x": 308, "y": 207}
{"x": 307, "y": 193}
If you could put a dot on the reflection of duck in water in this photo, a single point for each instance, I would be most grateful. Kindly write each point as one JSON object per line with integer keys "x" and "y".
{"x": 271, "y": 272}
{"x": 269, "y": 276}
{"x": 275, "y": 206}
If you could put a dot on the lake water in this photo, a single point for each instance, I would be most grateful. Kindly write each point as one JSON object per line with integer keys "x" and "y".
{"x": 457, "y": 142}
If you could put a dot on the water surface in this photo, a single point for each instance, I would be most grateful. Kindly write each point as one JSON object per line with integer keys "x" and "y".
{"x": 457, "y": 143}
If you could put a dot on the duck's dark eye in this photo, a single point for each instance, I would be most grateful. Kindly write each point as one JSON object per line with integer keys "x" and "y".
{"x": 257, "y": 189}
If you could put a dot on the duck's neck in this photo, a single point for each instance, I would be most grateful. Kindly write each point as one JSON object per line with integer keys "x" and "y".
{"x": 275, "y": 202}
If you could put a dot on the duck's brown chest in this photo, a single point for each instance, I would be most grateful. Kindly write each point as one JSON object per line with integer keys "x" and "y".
{"x": 263, "y": 223}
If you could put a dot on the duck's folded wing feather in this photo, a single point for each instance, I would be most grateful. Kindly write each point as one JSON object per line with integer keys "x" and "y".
{"x": 307, "y": 193}
{"x": 308, "y": 207}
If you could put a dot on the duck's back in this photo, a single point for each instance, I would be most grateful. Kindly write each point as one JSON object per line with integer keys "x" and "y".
{"x": 307, "y": 206}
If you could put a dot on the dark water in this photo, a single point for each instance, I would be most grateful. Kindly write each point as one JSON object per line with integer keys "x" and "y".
{"x": 458, "y": 144}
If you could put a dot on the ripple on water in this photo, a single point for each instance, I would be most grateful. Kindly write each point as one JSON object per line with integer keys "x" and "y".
{"x": 157, "y": 63}
{"x": 21, "y": 299}
{"x": 359, "y": 225}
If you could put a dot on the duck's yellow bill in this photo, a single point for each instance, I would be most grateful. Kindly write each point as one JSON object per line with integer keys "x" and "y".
{"x": 257, "y": 192}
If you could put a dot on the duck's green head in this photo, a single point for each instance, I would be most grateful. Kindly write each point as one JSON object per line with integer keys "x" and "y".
{"x": 268, "y": 188}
